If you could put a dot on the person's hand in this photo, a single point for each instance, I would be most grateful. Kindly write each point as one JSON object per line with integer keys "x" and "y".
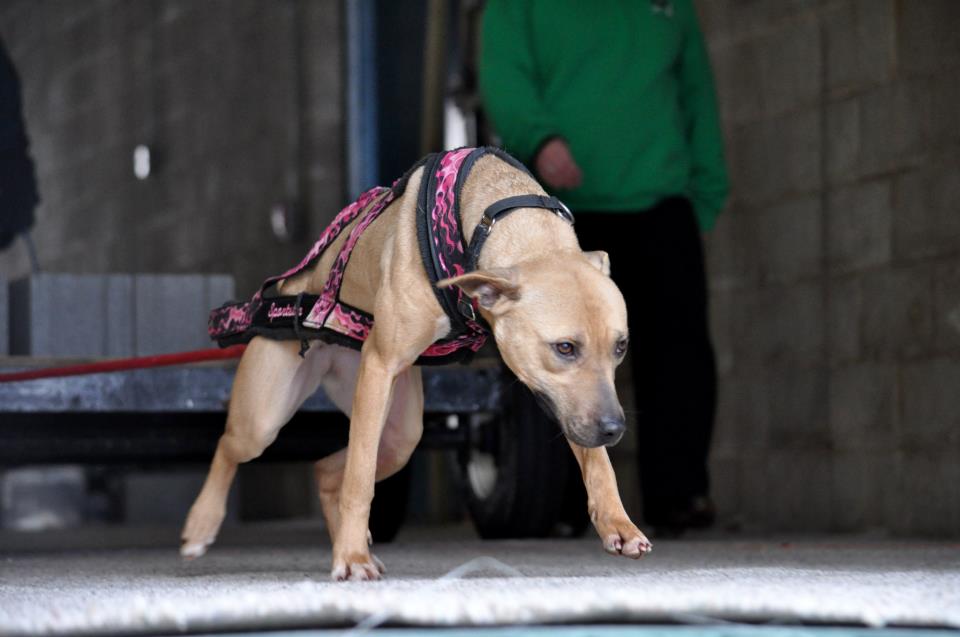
{"x": 556, "y": 166}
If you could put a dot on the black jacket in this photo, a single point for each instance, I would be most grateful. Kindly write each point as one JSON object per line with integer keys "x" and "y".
{"x": 18, "y": 182}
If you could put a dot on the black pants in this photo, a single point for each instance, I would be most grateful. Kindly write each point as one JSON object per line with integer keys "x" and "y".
{"x": 656, "y": 258}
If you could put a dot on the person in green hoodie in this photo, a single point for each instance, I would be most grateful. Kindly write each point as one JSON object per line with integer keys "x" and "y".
{"x": 612, "y": 104}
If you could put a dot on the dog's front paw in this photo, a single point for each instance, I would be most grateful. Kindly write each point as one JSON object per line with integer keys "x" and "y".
{"x": 200, "y": 531}
{"x": 357, "y": 566}
{"x": 622, "y": 537}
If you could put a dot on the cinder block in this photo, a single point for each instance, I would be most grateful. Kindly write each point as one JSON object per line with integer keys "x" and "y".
{"x": 721, "y": 317}
{"x": 946, "y": 311}
{"x": 797, "y": 409}
{"x": 890, "y": 481}
{"x": 800, "y": 490}
{"x": 168, "y": 308}
{"x": 859, "y": 226}
{"x": 789, "y": 67}
{"x": 942, "y": 127}
{"x": 893, "y": 122}
{"x": 118, "y": 311}
{"x": 778, "y": 326}
{"x": 736, "y": 68}
{"x": 756, "y": 491}
{"x": 898, "y": 312}
{"x": 741, "y": 20}
{"x": 115, "y": 315}
{"x": 931, "y": 404}
{"x": 843, "y": 140}
{"x": 863, "y": 407}
{"x": 843, "y": 319}
{"x": 860, "y": 41}
{"x": 928, "y": 494}
{"x": 777, "y": 157}
{"x": 789, "y": 244}
{"x": 859, "y": 490}
{"x": 926, "y": 223}
{"x": 725, "y": 487}
{"x": 71, "y": 315}
{"x": 4, "y": 318}
{"x": 732, "y": 249}
{"x": 219, "y": 289}
{"x": 795, "y": 152}
{"x": 172, "y": 310}
{"x": 926, "y": 36}
{"x": 743, "y": 418}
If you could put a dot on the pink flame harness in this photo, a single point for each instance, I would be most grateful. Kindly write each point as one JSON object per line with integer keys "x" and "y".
{"x": 444, "y": 252}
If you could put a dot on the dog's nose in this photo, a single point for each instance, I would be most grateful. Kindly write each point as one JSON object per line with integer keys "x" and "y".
{"x": 611, "y": 428}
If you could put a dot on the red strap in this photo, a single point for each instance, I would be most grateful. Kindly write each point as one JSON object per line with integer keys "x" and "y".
{"x": 122, "y": 364}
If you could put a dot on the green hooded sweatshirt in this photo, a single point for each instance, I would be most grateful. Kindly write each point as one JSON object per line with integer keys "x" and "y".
{"x": 626, "y": 83}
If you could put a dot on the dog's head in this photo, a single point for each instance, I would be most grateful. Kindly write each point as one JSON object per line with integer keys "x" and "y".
{"x": 561, "y": 325}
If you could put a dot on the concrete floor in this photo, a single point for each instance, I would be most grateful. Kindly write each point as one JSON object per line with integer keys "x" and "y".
{"x": 275, "y": 576}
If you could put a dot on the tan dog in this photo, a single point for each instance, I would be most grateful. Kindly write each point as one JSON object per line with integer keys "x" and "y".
{"x": 559, "y": 322}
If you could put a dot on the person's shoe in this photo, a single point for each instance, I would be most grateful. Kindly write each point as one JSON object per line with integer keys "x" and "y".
{"x": 702, "y": 513}
{"x": 699, "y": 514}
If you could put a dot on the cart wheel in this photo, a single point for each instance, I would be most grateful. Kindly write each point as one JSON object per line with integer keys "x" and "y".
{"x": 515, "y": 469}
{"x": 389, "y": 508}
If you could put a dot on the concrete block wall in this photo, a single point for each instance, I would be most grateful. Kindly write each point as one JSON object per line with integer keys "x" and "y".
{"x": 113, "y": 315}
{"x": 241, "y": 101}
{"x": 834, "y": 272}
{"x": 72, "y": 315}
{"x": 171, "y": 311}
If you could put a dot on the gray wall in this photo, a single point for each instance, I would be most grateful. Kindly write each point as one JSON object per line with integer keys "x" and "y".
{"x": 242, "y": 100}
{"x": 835, "y": 272}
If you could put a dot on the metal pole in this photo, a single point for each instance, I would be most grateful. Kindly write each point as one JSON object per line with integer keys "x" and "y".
{"x": 31, "y": 252}
{"x": 434, "y": 77}
{"x": 363, "y": 145}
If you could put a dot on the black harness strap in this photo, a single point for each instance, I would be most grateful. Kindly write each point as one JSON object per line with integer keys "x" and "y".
{"x": 428, "y": 251}
{"x": 304, "y": 343}
{"x": 501, "y": 208}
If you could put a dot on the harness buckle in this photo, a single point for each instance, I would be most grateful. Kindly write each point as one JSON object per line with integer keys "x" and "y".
{"x": 486, "y": 220}
{"x": 465, "y": 305}
{"x": 564, "y": 212}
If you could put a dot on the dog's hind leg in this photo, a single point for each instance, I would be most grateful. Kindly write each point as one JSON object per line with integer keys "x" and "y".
{"x": 401, "y": 433}
{"x": 339, "y": 385}
{"x": 272, "y": 381}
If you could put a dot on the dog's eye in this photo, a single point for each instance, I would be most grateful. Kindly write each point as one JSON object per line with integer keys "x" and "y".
{"x": 565, "y": 349}
{"x": 621, "y": 347}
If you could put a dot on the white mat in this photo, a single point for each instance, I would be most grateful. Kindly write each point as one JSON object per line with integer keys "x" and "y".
{"x": 131, "y": 591}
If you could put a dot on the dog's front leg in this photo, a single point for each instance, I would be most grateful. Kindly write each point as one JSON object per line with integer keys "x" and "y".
{"x": 371, "y": 402}
{"x": 620, "y": 536}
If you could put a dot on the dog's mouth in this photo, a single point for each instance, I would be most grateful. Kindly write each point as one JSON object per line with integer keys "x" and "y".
{"x": 586, "y": 441}
{"x": 547, "y": 405}
{"x": 570, "y": 430}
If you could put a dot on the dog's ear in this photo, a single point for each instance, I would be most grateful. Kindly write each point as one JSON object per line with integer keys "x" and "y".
{"x": 600, "y": 260}
{"x": 489, "y": 287}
